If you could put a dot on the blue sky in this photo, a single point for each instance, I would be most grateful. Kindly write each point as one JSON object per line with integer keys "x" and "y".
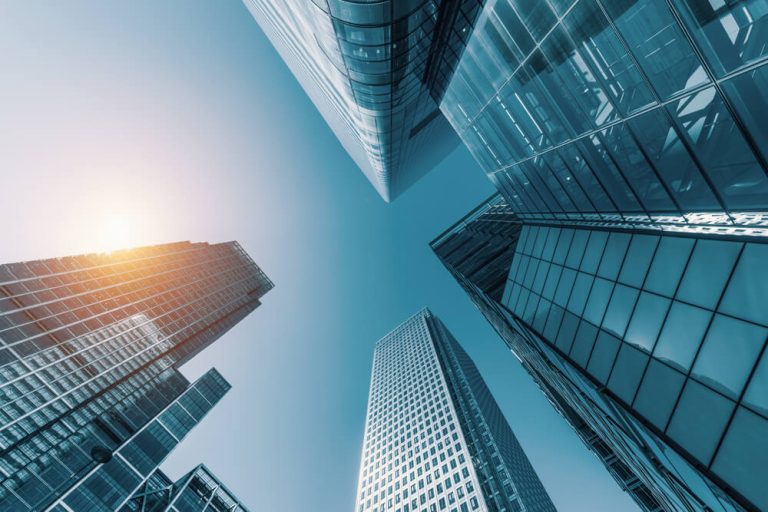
{"x": 129, "y": 123}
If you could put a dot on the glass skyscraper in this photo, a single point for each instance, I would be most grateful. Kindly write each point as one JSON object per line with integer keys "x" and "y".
{"x": 90, "y": 343}
{"x": 372, "y": 68}
{"x": 635, "y": 112}
{"x": 197, "y": 491}
{"x": 133, "y": 465}
{"x": 652, "y": 344}
{"x": 435, "y": 439}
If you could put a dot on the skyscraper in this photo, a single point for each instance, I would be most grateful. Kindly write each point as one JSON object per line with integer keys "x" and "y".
{"x": 435, "y": 439}
{"x": 197, "y": 491}
{"x": 83, "y": 337}
{"x": 652, "y": 344}
{"x": 371, "y": 68}
{"x": 133, "y": 465}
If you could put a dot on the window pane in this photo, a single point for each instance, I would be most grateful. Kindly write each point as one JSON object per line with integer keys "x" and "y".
{"x": 658, "y": 393}
{"x": 658, "y": 44}
{"x": 577, "y": 248}
{"x": 603, "y": 355}
{"x": 728, "y": 355}
{"x": 553, "y": 323}
{"x": 747, "y": 293}
{"x": 743, "y": 458}
{"x": 553, "y": 278}
{"x": 614, "y": 255}
{"x": 579, "y": 293}
{"x": 563, "y": 246}
{"x": 673, "y": 162}
{"x": 757, "y": 392}
{"x": 721, "y": 149}
{"x": 627, "y": 372}
{"x": 617, "y": 315}
{"x": 567, "y": 331}
{"x": 582, "y": 346}
{"x": 707, "y": 272}
{"x": 699, "y": 420}
{"x": 682, "y": 335}
{"x": 598, "y": 300}
{"x": 594, "y": 251}
{"x": 668, "y": 263}
{"x": 565, "y": 287}
{"x": 638, "y": 259}
{"x": 646, "y": 321}
{"x": 749, "y": 95}
{"x": 730, "y": 34}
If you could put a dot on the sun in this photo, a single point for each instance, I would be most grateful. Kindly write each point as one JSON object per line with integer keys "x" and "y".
{"x": 117, "y": 230}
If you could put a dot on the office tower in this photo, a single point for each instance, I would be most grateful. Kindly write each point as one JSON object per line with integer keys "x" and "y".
{"x": 646, "y": 113}
{"x": 162, "y": 425}
{"x": 197, "y": 491}
{"x": 372, "y": 69}
{"x": 84, "y": 336}
{"x": 435, "y": 439}
{"x": 651, "y": 343}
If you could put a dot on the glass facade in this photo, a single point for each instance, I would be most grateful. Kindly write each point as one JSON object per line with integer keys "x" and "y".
{"x": 657, "y": 333}
{"x": 435, "y": 439}
{"x": 637, "y": 112}
{"x": 134, "y": 462}
{"x": 87, "y": 343}
{"x": 371, "y": 69}
{"x": 197, "y": 491}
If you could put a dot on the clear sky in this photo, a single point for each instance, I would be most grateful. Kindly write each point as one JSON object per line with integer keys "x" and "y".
{"x": 142, "y": 122}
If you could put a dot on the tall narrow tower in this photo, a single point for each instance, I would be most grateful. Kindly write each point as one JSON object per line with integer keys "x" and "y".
{"x": 435, "y": 439}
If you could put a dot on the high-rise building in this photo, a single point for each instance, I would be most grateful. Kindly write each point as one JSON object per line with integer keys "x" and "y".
{"x": 435, "y": 439}
{"x": 154, "y": 427}
{"x": 372, "y": 69}
{"x": 85, "y": 337}
{"x": 644, "y": 113}
{"x": 652, "y": 344}
{"x": 197, "y": 491}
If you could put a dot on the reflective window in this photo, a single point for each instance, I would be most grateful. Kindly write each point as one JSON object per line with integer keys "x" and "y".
{"x": 614, "y": 255}
{"x": 658, "y": 393}
{"x": 603, "y": 356}
{"x": 668, "y": 264}
{"x": 577, "y": 248}
{"x": 550, "y": 285}
{"x": 619, "y": 309}
{"x": 743, "y": 457}
{"x": 594, "y": 251}
{"x": 749, "y": 95}
{"x": 673, "y": 162}
{"x": 646, "y": 321}
{"x": 553, "y": 323}
{"x": 699, "y": 420}
{"x": 598, "y": 300}
{"x": 658, "y": 44}
{"x": 721, "y": 149}
{"x": 582, "y": 345}
{"x": 567, "y": 331}
{"x": 627, "y": 372}
{"x": 730, "y": 33}
{"x": 757, "y": 392}
{"x": 563, "y": 246}
{"x": 638, "y": 259}
{"x": 682, "y": 334}
{"x": 579, "y": 294}
{"x": 747, "y": 293}
{"x": 707, "y": 272}
{"x": 728, "y": 354}
{"x": 565, "y": 286}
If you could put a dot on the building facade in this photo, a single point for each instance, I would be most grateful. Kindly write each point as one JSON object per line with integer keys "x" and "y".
{"x": 372, "y": 70}
{"x": 197, "y": 491}
{"x": 85, "y": 337}
{"x": 109, "y": 486}
{"x": 651, "y": 343}
{"x": 638, "y": 112}
{"x": 435, "y": 439}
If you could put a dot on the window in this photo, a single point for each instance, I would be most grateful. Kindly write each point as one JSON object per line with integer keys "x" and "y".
{"x": 646, "y": 321}
{"x": 668, "y": 264}
{"x": 658, "y": 393}
{"x": 601, "y": 362}
{"x": 627, "y": 372}
{"x": 747, "y": 293}
{"x": 682, "y": 334}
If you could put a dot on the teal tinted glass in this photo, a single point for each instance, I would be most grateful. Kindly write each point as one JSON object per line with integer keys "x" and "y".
{"x": 682, "y": 334}
{"x": 747, "y": 293}
{"x": 728, "y": 354}
{"x": 658, "y": 393}
{"x": 668, "y": 264}
{"x": 646, "y": 321}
